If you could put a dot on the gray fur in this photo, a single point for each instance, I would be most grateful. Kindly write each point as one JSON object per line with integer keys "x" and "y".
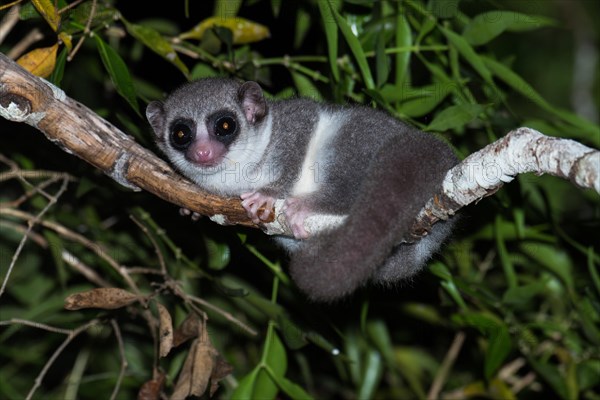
{"x": 374, "y": 168}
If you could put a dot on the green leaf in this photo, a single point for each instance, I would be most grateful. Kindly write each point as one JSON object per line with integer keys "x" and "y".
{"x": 444, "y": 8}
{"x": 499, "y": 342}
{"x": 261, "y": 383}
{"x": 33, "y": 291}
{"x": 554, "y": 259}
{"x": 589, "y": 319}
{"x": 589, "y": 131}
{"x": 403, "y": 39}
{"x": 291, "y": 389}
{"x": 231, "y": 30}
{"x": 552, "y": 376}
{"x": 455, "y": 117}
{"x": 155, "y": 42}
{"x": 227, "y": 8}
{"x": 469, "y": 54}
{"x": 419, "y": 101}
{"x": 245, "y": 388}
{"x": 303, "y": 26}
{"x": 516, "y": 82}
{"x": 503, "y": 255}
{"x": 202, "y": 70}
{"x": 323, "y": 343}
{"x": 118, "y": 72}
{"x": 499, "y": 348}
{"x": 371, "y": 375}
{"x": 275, "y": 358}
{"x": 55, "y": 244}
{"x": 331, "y": 34}
{"x": 264, "y": 386}
{"x": 59, "y": 67}
{"x": 424, "y": 312}
{"x": 49, "y": 10}
{"x": 520, "y": 296}
{"x": 379, "y": 334}
{"x": 355, "y": 47}
{"x": 382, "y": 68}
{"x": 219, "y": 254}
{"x": 427, "y": 26}
{"x": 485, "y": 27}
{"x": 588, "y": 374}
{"x": 305, "y": 86}
{"x": 594, "y": 273}
{"x": 293, "y": 335}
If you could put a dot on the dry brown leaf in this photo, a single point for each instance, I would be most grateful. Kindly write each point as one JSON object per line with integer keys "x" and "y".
{"x": 198, "y": 367}
{"x": 105, "y": 298}
{"x": 152, "y": 389}
{"x": 165, "y": 330}
{"x": 40, "y": 62}
{"x": 220, "y": 371}
{"x": 188, "y": 329}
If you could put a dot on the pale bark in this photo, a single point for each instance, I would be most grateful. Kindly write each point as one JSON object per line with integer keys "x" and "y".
{"x": 78, "y": 130}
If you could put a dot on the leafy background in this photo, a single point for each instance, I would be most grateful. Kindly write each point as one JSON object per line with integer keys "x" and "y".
{"x": 510, "y": 309}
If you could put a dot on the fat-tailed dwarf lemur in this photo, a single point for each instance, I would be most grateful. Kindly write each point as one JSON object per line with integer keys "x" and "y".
{"x": 321, "y": 158}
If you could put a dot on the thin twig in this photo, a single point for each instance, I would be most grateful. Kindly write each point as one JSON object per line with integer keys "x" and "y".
{"x": 69, "y": 234}
{"x": 86, "y": 31}
{"x": 33, "y": 36}
{"x": 228, "y": 316}
{"x": 68, "y": 257}
{"x": 9, "y": 20}
{"x": 444, "y": 370}
{"x": 526, "y": 382}
{"x": 161, "y": 260}
{"x": 119, "y": 337}
{"x": 144, "y": 271}
{"x": 31, "y": 222}
{"x": 72, "y": 335}
{"x": 5, "y": 6}
{"x": 38, "y": 325}
{"x": 68, "y": 7}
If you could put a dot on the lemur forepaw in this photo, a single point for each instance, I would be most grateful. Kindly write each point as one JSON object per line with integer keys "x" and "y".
{"x": 253, "y": 201}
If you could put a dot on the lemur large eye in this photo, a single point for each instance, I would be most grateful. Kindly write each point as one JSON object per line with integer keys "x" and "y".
{"x": 225, "y": 125}
{"x": 181, "y": 135}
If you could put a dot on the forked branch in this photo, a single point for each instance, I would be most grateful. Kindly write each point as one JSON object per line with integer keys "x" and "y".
{"x": 78, "y": 130}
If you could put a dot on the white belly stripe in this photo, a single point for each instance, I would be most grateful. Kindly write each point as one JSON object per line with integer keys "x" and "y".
{"x": 316, "y": 155}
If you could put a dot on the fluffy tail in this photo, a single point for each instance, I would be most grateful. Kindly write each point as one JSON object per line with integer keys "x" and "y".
{"x": 402, "y": 177}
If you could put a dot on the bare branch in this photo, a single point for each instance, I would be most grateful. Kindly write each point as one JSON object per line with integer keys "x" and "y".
{"x": 30, "y": 224}
{"x": 38, "y": 325}
{"x": 32, "y": 37}
{"x": 71, "y": 235}
{"x": 520, "y": 151}
{"x": 68, "y": 257}
{"x": 444, "y": 370}
{"x": 78, "y": 130}
{"x": 72, "y": 335}
{"x": 124, "y": 363}
{"x": 9, "y": 20}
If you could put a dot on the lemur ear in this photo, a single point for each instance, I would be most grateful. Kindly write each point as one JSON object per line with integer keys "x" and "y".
{"x": 253, "y": 101}
{"x": 155, "y": 113}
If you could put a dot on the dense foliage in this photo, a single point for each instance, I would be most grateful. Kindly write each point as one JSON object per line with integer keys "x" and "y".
{"x": 511, "y": 308}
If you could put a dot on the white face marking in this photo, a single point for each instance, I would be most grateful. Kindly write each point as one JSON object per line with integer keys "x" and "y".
{"x": 316, "y": 156}
{"x": 243, "y": 168}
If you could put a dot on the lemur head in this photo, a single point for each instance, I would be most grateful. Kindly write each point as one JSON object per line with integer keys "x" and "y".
{"x": 205, "y": 125}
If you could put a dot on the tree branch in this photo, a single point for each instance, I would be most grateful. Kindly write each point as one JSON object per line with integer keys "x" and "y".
{"x": 78, "y": 130}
